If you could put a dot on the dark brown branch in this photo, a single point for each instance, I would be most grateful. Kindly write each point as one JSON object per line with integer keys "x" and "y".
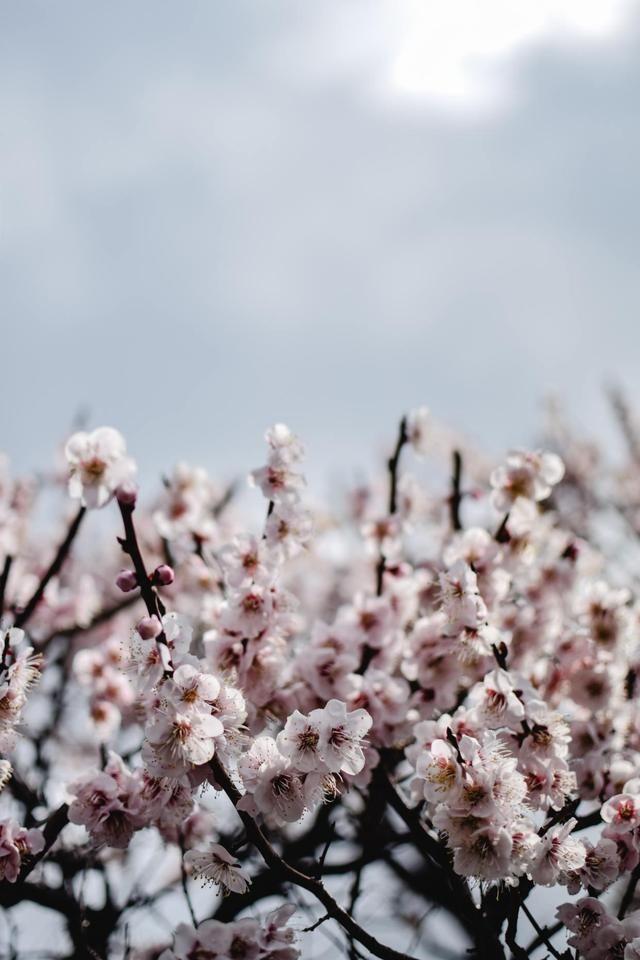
{"x": 629, "y": 893}
{"x": 53, "y": 570}
{"x": 403, "y": 438}
{"x": 589, "y": 820}
{"x": 53, "y": 827}
{"x": 185, "y": 886}
{"x": 541, "y": 932}
{"x": 153, "y": 603}
{"x": 543, "y": 936}
{"x": 502, "y": 534}
{"x": 455, "y": 498}
{"x": 103, "y": 616}
{"x": 454, "y": 891}
{"x": 314, "y": 926}
{"x": 291, "y": 875}
{"x": 512, "y": 930}
{"x": 392, "y": 464}
{"x": 4, "y": 579}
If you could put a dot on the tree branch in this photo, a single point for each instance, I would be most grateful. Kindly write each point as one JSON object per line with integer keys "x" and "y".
{"x": 53, "y": 570}
{"x": 455, "y": 498}
{"x": 53, "y": 827}
{"x": 4, "y": 578}
{"x": 627, "y": 897}
{"x": 290, "y": 874}
{"x": 103, "y": 616}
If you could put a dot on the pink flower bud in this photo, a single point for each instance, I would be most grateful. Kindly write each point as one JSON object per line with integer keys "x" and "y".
{"x": 164, "y": 575}
{"x": 127, "y": 494}
{"x": 126, "y": 581}
{"x": 149, "y": 628}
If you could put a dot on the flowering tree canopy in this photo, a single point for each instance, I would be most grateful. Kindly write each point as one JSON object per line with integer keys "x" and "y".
{"x": 220, "y": 738}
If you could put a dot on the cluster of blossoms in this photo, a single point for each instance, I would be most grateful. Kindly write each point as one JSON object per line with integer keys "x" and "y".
{"x": 292, "y": 773}
{"x": 243, "y": 940}
{"x": 484, "y": 786}
{"x": 596, "y": 934}
{"x": 375, "y": 676}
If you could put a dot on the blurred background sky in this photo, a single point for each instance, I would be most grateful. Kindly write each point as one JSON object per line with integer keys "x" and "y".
{"x": 215, "y": 215}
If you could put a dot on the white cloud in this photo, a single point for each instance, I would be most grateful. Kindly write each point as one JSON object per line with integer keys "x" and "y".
{"x": 455, "y": 54}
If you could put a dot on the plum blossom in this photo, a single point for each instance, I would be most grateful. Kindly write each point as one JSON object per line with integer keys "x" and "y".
{"x": 177, "y": 741}
{"x": 622, "y": 811}
{"x": 277, "y": 937}
{"x": 245, "y": 560}
{"x": 273, "y": 786}
{"x": 190, "y": 690}
{"x": 187, "y": 504}
{"x": 440, "y": 770}
{"x": 526, "y": 475}
{"x": 16, "y": 844}
{"x": 288, "y": 528}
{"x": 601, "y": 866}
{"x": 300, "y": 740}
{"x": 329, "y": 739}
{"x": 496, "y": 702}
{"x": 343, "y": 733}
{"x": 486, "y": 853}
{"x": 584, "y": 919}
{"x": 217, "y": 866}
{"x": 556, "y": 855}
{"x": 108, "y": 803}
{"x": 98, "y": 465}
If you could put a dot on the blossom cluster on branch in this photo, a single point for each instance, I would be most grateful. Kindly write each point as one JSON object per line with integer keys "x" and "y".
{"x": 429, "y": 688}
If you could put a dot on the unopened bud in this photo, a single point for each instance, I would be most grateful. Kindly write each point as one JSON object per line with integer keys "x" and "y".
{"x": 149, "y": 628}
{"x": 164, "y": 575}
{"x": 127, "y": 494}
{"x": 126, "y": 581}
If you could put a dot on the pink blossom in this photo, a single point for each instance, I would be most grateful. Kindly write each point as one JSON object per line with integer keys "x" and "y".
{"x": 527, "y": 475}
{"x": 16, "y": 844}
{"x": 98, "y": 464}
{"x": 622, "y": 811}
{"x": 217, "y": 865}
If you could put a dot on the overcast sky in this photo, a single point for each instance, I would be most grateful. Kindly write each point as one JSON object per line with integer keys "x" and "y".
{"x": 218, "y": 215}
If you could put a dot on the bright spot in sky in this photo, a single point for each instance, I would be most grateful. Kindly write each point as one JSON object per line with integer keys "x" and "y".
{"x": 457, "y": 52}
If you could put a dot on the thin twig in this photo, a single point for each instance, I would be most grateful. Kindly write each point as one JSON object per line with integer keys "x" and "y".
{"x": 103, "y": 616}
{"x": 368, "y": 652}
{"x": 392, "y": 466}
{"x": 540, "y": 931}
{"x": 314, "y": 926}
{"x": 53, "y": 569}
{"x": 541, "y": 937}
{"x": 185, "y": 888}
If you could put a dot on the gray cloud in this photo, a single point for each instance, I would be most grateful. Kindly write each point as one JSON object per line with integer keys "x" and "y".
{"x": 199, "y": 236}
